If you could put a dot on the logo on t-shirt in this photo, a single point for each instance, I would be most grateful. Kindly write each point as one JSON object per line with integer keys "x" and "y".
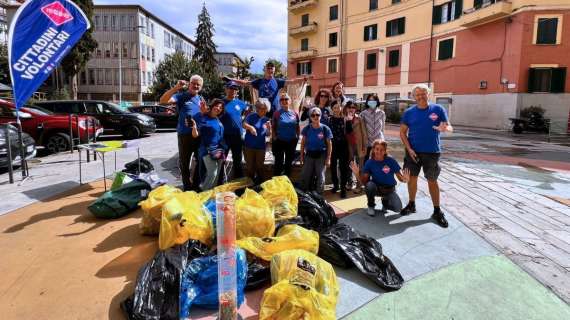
{"x": 386, "y": 169}
{"x": 321, "y": 135}
{"x": 237, "y": 107}
{"x": 433, "y": 116}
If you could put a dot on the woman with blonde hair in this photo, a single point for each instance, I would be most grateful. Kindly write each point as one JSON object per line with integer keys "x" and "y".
{"x": 378, "y": 175}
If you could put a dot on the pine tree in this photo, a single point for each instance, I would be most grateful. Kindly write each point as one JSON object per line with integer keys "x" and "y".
{"x": 77, "y": 58}
{"x": 173, "y": 68}
{"x": 205, "y": 46}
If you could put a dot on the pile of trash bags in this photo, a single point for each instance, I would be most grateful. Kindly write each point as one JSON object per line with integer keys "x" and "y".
{"x": 287, "y": 238}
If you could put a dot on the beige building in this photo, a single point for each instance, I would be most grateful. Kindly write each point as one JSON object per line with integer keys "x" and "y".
{"x": 228, "y": 63}
{"x": 484, "y": 59}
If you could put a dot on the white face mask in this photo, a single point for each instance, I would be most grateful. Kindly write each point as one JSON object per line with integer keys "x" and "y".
{"x": 372, "y": 104}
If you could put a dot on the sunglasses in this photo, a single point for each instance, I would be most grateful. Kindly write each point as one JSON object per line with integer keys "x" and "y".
{"x": 283, "y": 99}
{"x": 324, "y": 96}
{"x": 315, "y": 115}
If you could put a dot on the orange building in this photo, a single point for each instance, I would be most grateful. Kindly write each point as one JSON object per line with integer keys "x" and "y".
{"x": 484, "y": 59}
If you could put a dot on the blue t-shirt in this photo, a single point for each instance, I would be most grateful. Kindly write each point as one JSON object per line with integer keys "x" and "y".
{"x": 316, "y": 138}
{"x": 187, "y": 106}
{"x": 256, "y": 142}
{"x": 231, "y": 118}
{"x": 269, "y": 89}
{"x": 421, "y": 134}
{"x": 382, "y": 172}
{"x": 286, "y": 123}
{"x": 211, "y": 133}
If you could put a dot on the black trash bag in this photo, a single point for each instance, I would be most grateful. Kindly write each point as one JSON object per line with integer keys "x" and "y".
{"x": 157, "y": 288}
{"x": 258, "y": 275}
{"x": 133, "y": 167}
{"x": 317, "y": 213}
{"x": 343, "y": 246}
{"x": 281, "y": 223}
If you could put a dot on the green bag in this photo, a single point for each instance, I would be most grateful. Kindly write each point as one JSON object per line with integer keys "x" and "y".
{"x": 118, "y": 203}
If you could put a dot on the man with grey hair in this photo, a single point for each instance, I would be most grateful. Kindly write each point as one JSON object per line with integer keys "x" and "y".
{"x": 420, "y": 132}
{"x": 189, "y": 103}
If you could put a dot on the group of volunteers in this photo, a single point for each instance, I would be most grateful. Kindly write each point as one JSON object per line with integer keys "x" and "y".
{"x": 336, "y": 136}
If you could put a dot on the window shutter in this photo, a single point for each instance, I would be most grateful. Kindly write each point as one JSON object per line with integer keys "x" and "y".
{"x": 477, "y": 4}
{"x": 309, "y": 65}
{"x": 374, "y": 32}
{"x": 531, "y": 76}
{"x": 388, "y": 27}
{"x": 366, "y": 34}
{"x": 558, "y": 83}
{"x": 436, "y": 15}
{"x": 458, "y": 8}
{"x": 402, "y": 25}
{"x": 298, "y": 69}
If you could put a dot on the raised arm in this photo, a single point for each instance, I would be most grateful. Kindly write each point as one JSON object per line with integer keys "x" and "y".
{"x": 166, "y": 98}
{"x": 364, "y": 177}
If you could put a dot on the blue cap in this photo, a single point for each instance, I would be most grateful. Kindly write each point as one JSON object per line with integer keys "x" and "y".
{"x": 232, "y": 85}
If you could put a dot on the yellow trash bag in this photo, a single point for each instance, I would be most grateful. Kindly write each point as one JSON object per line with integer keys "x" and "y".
{"x": 227, "y": 187}
{"x": 281, "y": 195}
{"x": 288, "y": 237}
{"x": 152, "y": 209}
{"x": 305, "y": 287}
{"x": 183, "y": 218}
{"x": 254, "y": 217}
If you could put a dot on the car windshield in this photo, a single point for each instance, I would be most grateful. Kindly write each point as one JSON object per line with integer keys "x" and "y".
{"x": 116, "y": 109}
{"x": 39, "y": 110}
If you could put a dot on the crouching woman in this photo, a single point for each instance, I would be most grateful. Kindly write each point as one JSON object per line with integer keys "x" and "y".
{"x": 378, "y": 176}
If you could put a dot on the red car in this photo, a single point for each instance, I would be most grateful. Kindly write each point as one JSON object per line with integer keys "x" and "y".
{"x": 48, "y": 129}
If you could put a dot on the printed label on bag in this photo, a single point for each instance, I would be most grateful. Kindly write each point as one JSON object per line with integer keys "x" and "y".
{"x": 305, "y": 274}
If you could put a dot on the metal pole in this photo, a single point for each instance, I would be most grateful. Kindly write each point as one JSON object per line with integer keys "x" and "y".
{"x": 71, "y": 131}
{"x": 104, "y": 172}
{"x": 88, "y": 141}
{"x": 78, "y": 131}
{"x": 120, "y": 69}
{"x": 80, "y": 175}
{"x": 21, "y": 143}
{"x": 9, "y": 154}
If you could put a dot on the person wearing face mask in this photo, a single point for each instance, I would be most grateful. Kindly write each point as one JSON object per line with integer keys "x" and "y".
{"x": 374, "y": 120}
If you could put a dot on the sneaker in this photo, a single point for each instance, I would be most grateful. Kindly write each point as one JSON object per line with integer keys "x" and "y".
{"x": 439, "y": 218}
{"x": 343, "y": 193}
{"x": 371, "y": 212}
{"x": 408, "y": 209}
{"x": 383, "y": 210}
{"x": 334, "y": 189}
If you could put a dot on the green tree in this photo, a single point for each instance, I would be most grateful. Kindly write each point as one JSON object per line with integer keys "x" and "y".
{"x": 4, "y": 65}
{"x": 205, "y": 46}
{"x": 244, "y": 70}
{"x": 278, "y": 67}
{"x": 77, "y": 58}
{"x": 173, "y": 68}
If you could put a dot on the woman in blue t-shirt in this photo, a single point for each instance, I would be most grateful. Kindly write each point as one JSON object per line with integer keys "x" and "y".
{"x": 257, "y": 126}
{"x": 285, "y": 135}
{"x": 378, "y": 177}
{"x": 211, "y": 130}
{"x": 316, "y": 149}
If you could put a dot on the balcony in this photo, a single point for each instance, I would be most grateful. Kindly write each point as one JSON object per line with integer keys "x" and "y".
{"x": 486, "y": 13}
{"x": 303, "y": 30}
{"x": 297, "y": 5}
{"x": 302, "y": 54}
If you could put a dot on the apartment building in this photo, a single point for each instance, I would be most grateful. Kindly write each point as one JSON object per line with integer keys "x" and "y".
{"x": 228, "y": 62}
{"x": 3, "y": 22}
{"x": 485, "y": 60}
{"x": 131, "y": 43}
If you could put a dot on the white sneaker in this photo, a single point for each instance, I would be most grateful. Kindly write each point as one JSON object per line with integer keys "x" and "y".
{"x": 371, "y": 212}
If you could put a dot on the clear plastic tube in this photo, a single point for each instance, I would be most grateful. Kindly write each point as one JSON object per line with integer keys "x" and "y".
{"x": 227, "y": 270}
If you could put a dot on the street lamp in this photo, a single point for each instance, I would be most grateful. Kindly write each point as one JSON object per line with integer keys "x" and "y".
{"x": 121, "y": 62}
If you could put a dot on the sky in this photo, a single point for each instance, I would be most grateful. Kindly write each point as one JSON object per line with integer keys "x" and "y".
{"x": 248, "y": 28}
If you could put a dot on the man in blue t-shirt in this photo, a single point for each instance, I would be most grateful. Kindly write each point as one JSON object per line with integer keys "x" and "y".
{"x": 189, "y": 104}
{"x": 420, "y": 131}
{"x": 232, "y": 121}
{"x": 268, "y": 87}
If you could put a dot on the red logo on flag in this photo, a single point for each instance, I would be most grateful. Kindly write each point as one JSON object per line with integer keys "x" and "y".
{"x": 433, "y": 117}
{"x": 386, "y": 169}
{"x": 57, "y": 13}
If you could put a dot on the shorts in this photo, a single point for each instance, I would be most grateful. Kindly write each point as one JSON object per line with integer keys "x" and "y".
{"x": 428, "y": 161}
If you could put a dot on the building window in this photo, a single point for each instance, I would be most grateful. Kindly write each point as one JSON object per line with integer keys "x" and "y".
{"x": 148, "y": 78}
{"x": 134, "y": 53}
{"x": 97, "y": 23}
{"x": 141, "y": 22}
{"x": 91, "y": 77}
{"x": 125, "y": 50}
{"x": 333, "y": 13}
{"x": 107, "y": 50}
{"x": 123, "y": 24}
{"x": 447, "y": 12}
{"x": 547, "y": 80}
{"x": 547, "y": 31}
{"x": 303, "y": 68}
{"x": 100, "y": 77}
{"x": 105, "y": 23}
{"x": 308, "y": 92}
{"x": 152, "y": 52}
{"x": 332, "y": 65}
{"x": 147, "y": 53}
{"x": 394, "y": 58}
{"x": 371, "y": 61}
{"x": 371, "y": 32}
{"x": 83, "y": 77}
{"x": 99, "y": 51}
{"x": 108, "y": 77}
{"x": 396, "y": 1}
{"x": 445, "y": 49}
{"x": 333, "y": 39}
{"x": 152, "y": 30}
{"x": 113, "y": 22}
{"x": 143, "y": 51}
{"x": 304, "y": 44}
{"x": 115, "y": 50}
{"x": 373, "y": 5}
{"x": 396, "y": 27}
{"x": 131, "y": 22}
{"x": 116, "y": 82}
{"x": 305, "y": 20}
{"x": 143, "y": 78}
{"x": 478, "y": 4}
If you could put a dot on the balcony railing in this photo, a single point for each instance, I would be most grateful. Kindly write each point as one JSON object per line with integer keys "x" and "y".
{"x": 485, "y": 13}
{"x": 302, "y": 54}
{"x": 295, "y": 5}
{"x": 297, "y": 31}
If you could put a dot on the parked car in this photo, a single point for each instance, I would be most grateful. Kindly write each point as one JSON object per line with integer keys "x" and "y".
{"x": 535, "y": 123}
{"x": 48, "y": 129}
{"x": 29, "y": 145}
{"x": 164, "y": 117}
{"x": 112, "y": 117}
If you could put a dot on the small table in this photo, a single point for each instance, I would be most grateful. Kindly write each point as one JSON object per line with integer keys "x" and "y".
{"x": 101, "y": 148}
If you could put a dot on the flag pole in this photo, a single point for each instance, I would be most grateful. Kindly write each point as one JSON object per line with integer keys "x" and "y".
{"x": 21, "y": 143}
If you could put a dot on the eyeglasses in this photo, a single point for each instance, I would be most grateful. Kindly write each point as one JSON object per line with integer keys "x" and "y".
{"x": 315, "y": 115}
{"x": 324, "y": 96}
{"x": 284, "y": 99}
